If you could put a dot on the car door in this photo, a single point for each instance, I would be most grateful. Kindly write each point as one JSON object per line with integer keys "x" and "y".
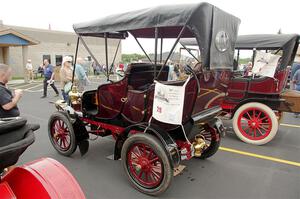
{"x": 111, "y": 98}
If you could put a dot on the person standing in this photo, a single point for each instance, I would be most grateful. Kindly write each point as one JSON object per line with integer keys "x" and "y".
{"x": 248, "y": 69}
{"x": 296, "y": 83}
{"x": 81, "y": 75}
{"x": 295, "y": 67}
{"x": 66, "y": 73}
{"x": 49, "y": 78}
{"x": 8, "y": 101}
{"x": 29, "y": 69}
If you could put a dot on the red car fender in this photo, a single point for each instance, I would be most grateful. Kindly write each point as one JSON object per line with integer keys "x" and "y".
{"x": 43, "y": 179}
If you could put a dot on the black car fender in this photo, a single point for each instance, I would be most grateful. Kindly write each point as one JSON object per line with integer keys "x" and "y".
{"x": 167, "y": 141}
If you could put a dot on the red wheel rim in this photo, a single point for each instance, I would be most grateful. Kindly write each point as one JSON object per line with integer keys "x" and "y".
{"x": 61, "y": 134}
{"x": 254, "y": 124}
{"x": 145, "y": 167}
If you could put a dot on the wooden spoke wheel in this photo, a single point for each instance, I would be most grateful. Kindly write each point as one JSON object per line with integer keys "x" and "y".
{"x": 146, "y": 164}
{"x": 255, "y": 123}
{"x": 61, "y": 134}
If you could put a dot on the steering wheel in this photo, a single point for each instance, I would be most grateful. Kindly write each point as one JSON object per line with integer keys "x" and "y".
{"x": 189, "y": 70}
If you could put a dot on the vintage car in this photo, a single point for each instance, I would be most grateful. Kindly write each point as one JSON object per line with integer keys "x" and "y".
{"x": 255, "y": 101}
{"x": 156, "y": 123}
{"x": 42, "y": 178}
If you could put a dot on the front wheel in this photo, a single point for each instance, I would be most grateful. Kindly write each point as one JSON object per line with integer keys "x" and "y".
{"x": 255, "y": 123}
{"x": 61, "y": 134}
{"x": 146, "y": 164}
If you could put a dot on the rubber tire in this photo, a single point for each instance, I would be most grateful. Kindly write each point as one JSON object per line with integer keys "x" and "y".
{"x": 267, "y": 110}
{"x": 158, "y": 148}
{"x": 61, "y": 116}
{"x": 211, "y": 150}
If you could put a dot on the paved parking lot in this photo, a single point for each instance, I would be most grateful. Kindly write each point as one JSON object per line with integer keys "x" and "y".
{"x": 238, "y": 170}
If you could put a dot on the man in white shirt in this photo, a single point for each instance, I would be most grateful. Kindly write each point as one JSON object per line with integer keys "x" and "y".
{"x": 29, "y": 69}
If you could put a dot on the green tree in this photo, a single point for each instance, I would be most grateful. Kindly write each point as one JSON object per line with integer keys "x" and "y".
{"x": 128, "y": 58}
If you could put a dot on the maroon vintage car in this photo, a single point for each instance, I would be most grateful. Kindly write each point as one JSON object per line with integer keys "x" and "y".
{"x": 255, "y": 99}
{"x": 156, "y": 123}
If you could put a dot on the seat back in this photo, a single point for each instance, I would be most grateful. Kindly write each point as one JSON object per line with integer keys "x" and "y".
{"x": 14, "y": 140}
{"x": 141, "y": 75}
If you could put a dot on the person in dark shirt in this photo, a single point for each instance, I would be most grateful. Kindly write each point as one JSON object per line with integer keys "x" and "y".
{"x": 49, "y": 78}
{"x": 8, "y": 101}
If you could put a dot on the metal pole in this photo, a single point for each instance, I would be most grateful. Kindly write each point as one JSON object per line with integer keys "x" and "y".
{"x": 177, "y": 40}
{"x": 106, "y": 57}
{"x": 155, "y": 50}
{"x": 161, "y": 49}
{"x": 89, "y": 51}
{"x": 253, "y": 56}
{"x": 179, "y": 59}
{"x": 137, "y": 41}
{"x": 190, "y": 52}
{"x": 115, "y": 56}
{"x": 74, "y": 67}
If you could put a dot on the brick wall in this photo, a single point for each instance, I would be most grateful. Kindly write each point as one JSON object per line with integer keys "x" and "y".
{"x": 36, "y": 52}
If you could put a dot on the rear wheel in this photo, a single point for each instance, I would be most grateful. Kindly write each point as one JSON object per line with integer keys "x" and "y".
{"x": 146, "y": 164}
{"x": 61, "y": 134}
{"x": 212, "y": 140}
{"x": 255, "y": 123}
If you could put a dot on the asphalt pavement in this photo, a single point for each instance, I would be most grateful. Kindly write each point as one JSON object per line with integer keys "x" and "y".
{"x": 226, "y": 175}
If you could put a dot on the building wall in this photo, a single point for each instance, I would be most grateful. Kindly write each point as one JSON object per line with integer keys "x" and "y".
{"x": 1, "y": 56}
{"x": 58, "y": 43}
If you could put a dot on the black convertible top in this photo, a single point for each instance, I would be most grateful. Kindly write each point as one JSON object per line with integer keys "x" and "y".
{"x": 287, "y": 42}
{"x": 266, "y": 41}
{"x": 259, "y": 41}
{"x": 203, "y": 21}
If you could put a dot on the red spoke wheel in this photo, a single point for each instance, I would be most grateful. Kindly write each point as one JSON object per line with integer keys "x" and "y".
{"x": 61, "y": 134}
{"x": 212, "y": 140}
{"x": 146, "y": 164}
{"x": 255, "y": 123}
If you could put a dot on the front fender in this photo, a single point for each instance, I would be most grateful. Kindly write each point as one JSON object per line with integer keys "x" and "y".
{"x": 66, "y": 109}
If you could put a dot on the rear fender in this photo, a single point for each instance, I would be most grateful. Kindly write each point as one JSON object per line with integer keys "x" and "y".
{"x": 274, "y": 104}
{"x": 217, "y": 124}
{"x": 168, "y": 143}
{"x": 43, "y": 178}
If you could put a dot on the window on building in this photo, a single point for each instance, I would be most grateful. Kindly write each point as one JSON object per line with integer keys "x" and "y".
{"x": 58, "y": 60}
{"x": 48, "y": 57}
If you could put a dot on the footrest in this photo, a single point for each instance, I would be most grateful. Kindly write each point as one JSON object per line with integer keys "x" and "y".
{"x": 178, "y": 170}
